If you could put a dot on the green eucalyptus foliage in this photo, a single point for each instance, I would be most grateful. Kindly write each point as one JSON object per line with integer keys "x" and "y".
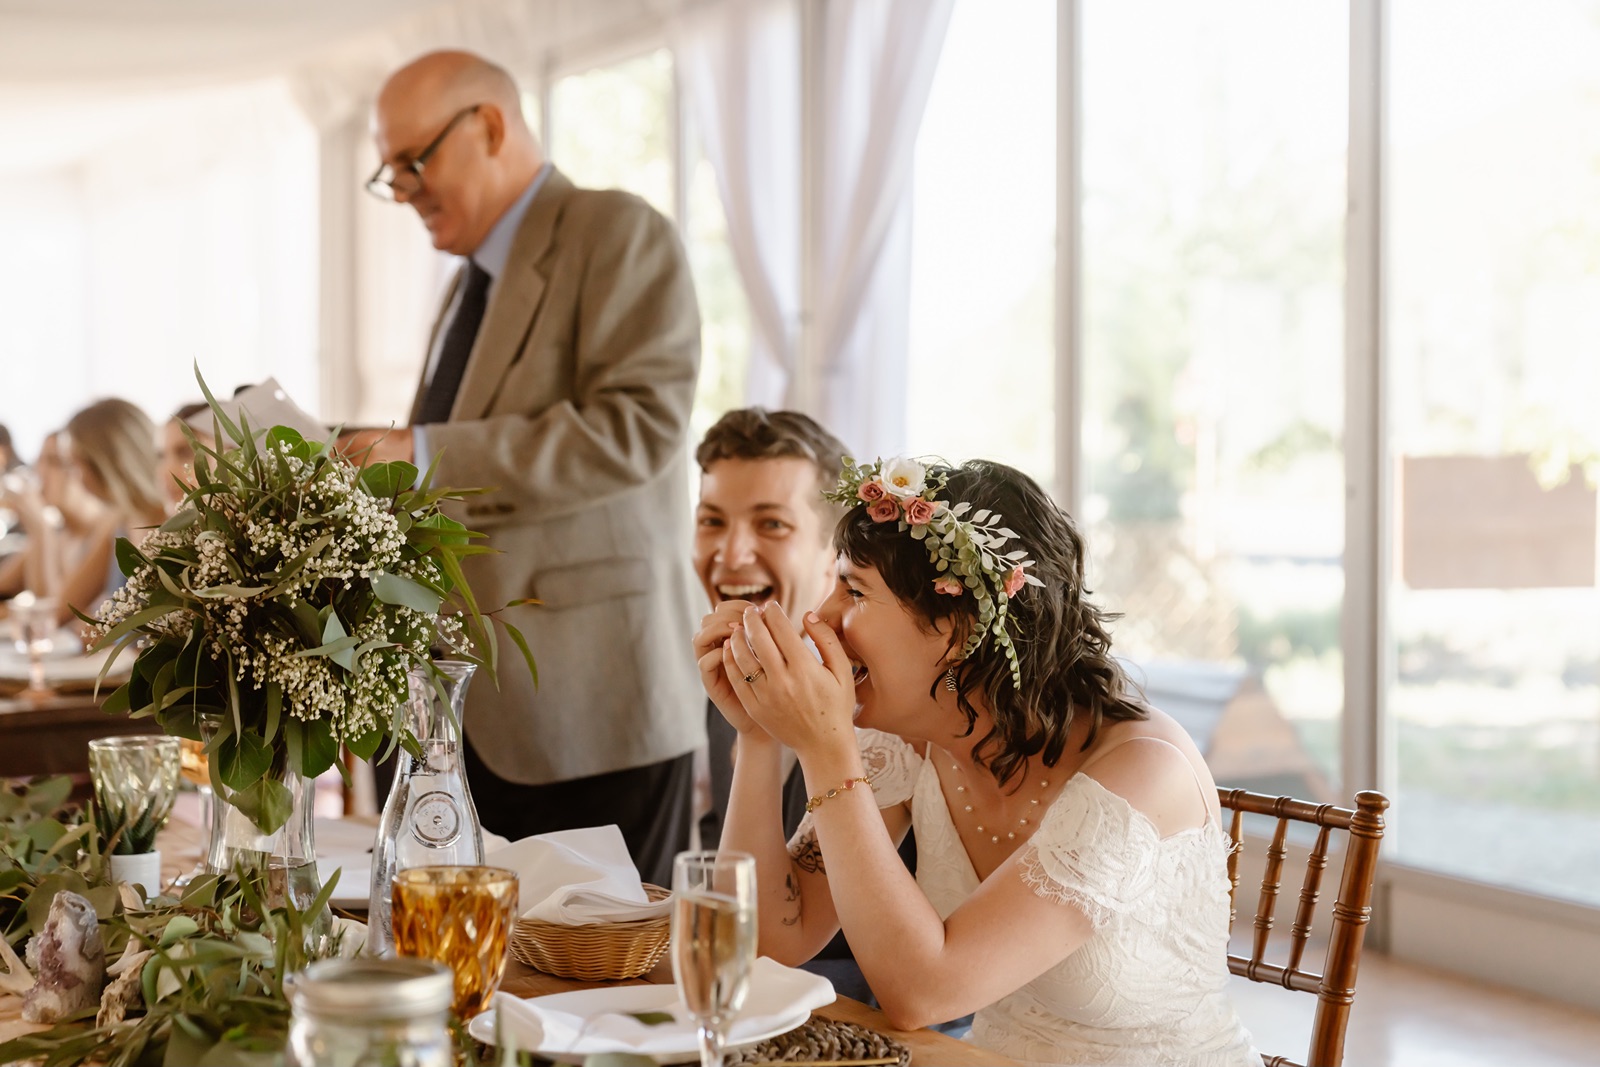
{"x": 44, "y": 848}
{"x": 212, "y": 987}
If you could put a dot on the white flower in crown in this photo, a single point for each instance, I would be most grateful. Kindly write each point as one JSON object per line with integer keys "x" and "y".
{"x": 904, "y": 478}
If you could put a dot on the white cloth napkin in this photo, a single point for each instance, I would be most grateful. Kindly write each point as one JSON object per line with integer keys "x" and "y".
{"x": 592, "y": 1021}
{"x": 578, "y": 878}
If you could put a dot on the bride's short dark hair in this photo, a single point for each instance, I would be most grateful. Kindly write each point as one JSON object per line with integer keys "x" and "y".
{"x": 1061, "y": 638}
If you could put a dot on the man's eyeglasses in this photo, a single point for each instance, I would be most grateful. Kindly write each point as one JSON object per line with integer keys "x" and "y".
{"x": 390, "y": 182}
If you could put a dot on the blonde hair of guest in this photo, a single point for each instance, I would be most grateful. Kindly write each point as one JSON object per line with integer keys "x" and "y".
{"x": 116, "y": 444}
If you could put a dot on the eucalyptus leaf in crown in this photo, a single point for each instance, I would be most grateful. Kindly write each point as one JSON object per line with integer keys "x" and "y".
{"x": 964, "y": 546}
{"x": 287, "y": 600}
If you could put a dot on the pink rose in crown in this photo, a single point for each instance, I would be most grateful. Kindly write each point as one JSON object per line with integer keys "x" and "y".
{"x": 1014, "y": 580}
{"x": 947, "y": 585}
{"x": 920, "y": 511}
{"x": 884, "y": 510}
{"x": 871, "y": 490}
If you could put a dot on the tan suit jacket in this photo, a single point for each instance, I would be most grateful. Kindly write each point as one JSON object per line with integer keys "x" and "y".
{"x": 575, "y": 406}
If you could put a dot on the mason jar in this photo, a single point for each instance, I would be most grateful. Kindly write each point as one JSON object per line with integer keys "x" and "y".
{"x": 368, "y": 1012}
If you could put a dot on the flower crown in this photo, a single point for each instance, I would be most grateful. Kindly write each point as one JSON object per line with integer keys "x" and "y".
{"x": 963, "y": 545}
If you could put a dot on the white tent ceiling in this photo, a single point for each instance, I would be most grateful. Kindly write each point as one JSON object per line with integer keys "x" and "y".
{"x": 88, "y": 45}
{"x": 78, "y": 76}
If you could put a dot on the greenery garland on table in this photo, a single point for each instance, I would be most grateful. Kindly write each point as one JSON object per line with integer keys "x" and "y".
{"x": 287, "y": 601}
{"x": 212, "y": 987}
{"x": 45, "y": 846}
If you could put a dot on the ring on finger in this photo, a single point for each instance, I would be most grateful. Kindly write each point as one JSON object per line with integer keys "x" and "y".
{"x": 750, "y": 679}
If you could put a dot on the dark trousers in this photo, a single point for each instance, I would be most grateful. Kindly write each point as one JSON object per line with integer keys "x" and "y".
{"x": 653, "y": 806}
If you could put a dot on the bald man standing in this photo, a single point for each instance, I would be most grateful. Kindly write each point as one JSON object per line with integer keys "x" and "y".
{"x": 560, "y": 372}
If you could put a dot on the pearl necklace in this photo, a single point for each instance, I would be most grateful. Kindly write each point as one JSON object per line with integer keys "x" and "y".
{"x": 1022, "y": 823}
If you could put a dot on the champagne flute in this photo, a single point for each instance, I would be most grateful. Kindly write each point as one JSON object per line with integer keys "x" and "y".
{"x": 713, "y": 940}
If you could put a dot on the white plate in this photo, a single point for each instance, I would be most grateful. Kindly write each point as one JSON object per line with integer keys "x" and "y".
{"x": 584, "y": 1022}
{"x": 66, "y": 668}
{"x": 344, "y": 837}
{"x": 632, "y": 999}
{"x": 355, "y": 879}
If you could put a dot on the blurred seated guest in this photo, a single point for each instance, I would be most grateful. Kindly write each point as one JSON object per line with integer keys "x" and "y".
{"x": 177, "y": 453}
{"x": 1072, "y": 883}
{"x": 112, "y": 448}
{"x": 9, "y": 460}
{"x": 56, "y": 494}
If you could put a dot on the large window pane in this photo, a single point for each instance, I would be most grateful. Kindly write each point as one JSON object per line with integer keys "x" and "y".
{"x": 1494, "y": 325}
{"x": 983, "y": 242}
{"x": 611, "y": 127}
{"x": 724, "y": 309}
{"x": 1214, "y": 175}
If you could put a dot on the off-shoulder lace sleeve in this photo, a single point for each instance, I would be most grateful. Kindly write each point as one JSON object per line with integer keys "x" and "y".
{"x": 891, "y": 764}
{"x": 1093, "y": 851}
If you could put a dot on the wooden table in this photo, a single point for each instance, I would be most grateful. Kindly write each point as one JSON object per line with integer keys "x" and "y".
{"x": 180, "y": 843}
{"x": 51, "y": 735}
{"x": 928, "y": 1047}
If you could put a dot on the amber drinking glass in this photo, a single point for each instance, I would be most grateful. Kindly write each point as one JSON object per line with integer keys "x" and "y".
{"x": 461, "y": 917}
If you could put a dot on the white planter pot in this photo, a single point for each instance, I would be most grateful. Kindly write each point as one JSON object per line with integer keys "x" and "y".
{"x": 142, "y": 869}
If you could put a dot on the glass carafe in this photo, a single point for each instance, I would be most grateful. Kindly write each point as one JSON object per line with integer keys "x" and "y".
{"x": 429, "y": 818}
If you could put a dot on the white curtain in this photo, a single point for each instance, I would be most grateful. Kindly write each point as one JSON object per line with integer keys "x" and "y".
{"x": 878, "y": 64}
{"x": 739, "y": 63}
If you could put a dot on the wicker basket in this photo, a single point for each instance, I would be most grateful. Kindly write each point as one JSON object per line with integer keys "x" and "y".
{"x": 599, "y": 952}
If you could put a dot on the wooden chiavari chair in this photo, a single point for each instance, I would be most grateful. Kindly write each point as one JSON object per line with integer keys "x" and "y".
{"x": 1335, "y": 986}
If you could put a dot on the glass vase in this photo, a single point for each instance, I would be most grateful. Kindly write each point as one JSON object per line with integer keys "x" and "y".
{"x": 284, "y": 862}
{"x": 429, "y": 818}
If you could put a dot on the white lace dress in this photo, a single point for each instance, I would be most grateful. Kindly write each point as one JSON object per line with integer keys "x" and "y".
{"x": 1149, "y": 987}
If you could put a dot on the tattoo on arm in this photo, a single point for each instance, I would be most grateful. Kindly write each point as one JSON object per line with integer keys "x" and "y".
{"x": 791, "y": 895}
{"x": 807, "y": 855}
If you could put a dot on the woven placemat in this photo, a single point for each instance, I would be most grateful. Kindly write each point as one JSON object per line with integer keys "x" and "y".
{"x": 821, "y": 1039}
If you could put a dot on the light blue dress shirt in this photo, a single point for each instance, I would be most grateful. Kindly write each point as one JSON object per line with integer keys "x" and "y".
{"x": 491, "y": 257}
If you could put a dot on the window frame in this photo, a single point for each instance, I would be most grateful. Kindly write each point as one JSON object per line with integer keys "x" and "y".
{"x": 1420, "y": 913}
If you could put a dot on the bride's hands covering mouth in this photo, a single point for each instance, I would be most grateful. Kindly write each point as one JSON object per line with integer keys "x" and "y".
{"x": 807, "y": 705}
{"x": 709, "y": 642}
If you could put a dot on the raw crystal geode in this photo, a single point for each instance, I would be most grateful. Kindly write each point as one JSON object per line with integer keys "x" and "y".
{"x": 68, "y": 959}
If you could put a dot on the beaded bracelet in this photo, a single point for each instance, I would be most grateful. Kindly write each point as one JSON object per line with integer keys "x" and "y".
{"x": 849, "y": 783}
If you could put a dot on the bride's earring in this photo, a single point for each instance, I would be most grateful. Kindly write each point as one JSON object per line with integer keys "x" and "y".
{"x": 950, "y": 680}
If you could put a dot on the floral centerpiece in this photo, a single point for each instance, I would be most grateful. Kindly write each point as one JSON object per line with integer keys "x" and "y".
{"x": 284, "y": 605}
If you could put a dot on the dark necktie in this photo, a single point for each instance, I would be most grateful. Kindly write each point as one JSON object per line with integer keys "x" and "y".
{"x": 457, "y": 346}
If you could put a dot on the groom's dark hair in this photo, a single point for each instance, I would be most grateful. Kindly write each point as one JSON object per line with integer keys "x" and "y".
{"x": 756, "y": 433}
